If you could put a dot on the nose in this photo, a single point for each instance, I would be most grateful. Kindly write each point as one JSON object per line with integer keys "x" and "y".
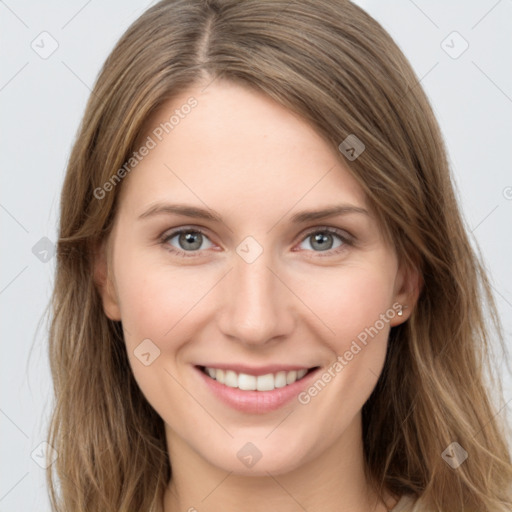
{"x": 257, "y": 308}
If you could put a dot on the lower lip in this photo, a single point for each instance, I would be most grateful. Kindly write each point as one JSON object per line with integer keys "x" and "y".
{"x": 256, "y": 402}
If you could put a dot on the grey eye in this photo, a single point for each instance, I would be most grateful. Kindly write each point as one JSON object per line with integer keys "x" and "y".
{"x": 189, "y": 241}
{"x": 322, "y": 241}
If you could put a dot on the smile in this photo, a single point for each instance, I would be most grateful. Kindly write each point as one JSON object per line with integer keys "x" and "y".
{"x": 255, "y": 390}
{"x": 247, "y": 382}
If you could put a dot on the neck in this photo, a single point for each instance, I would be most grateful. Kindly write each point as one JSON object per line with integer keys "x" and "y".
{"x": 334, "y": 481}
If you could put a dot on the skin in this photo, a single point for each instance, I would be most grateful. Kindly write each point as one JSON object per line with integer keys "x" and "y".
{"x": 255, "y": 164}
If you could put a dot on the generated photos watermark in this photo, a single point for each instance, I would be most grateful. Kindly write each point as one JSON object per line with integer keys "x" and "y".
{"x": 151, "y": 142}
{"x": 343, "y": 360}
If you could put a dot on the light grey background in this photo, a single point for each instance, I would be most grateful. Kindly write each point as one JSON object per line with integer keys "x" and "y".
{"x": 42, "y": 101}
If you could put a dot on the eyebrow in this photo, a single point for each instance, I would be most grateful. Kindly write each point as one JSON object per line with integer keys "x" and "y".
{"x": 180, "y": 209}
{"x": 330, "y": 211}
{"x": 208, "y": 214}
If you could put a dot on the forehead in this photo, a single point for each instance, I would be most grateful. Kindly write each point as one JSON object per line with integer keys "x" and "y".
{"x": 236, "y": 145}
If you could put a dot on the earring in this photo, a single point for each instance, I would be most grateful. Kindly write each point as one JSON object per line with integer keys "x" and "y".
{"x": 400, "y": 312}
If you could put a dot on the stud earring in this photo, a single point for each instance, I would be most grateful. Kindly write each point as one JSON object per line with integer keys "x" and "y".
{"x": 400, "y": 312}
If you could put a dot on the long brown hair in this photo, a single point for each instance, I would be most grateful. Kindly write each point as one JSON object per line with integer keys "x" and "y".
{"x": 335, "y": 66}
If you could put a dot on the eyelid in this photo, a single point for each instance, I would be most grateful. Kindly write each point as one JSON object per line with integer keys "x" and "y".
{"x": 172, "y": 232}
{"x": 342, "y": 233}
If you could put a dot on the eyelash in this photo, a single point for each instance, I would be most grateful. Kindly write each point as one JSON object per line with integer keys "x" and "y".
{"x": 346, "y": 239}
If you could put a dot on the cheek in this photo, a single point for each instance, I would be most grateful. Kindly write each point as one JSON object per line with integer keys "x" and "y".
{"x": 355, "y": 308}
{"x": 350, "y": 299}
{"x": 157, "y": 303}
{"x": 155, "y": 299}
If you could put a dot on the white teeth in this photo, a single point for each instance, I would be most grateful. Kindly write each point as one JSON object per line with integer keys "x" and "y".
{"x": 291, "y": 377}
{"x": 230, "y": 379}
{"x": 280, "y": 380}
{"x": 265, "y": 382}
{"x": 247, "y": 382}
{"x": 301, "y": 373}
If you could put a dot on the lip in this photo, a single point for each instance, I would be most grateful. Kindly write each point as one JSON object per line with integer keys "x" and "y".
{"x": 256, "y": 402}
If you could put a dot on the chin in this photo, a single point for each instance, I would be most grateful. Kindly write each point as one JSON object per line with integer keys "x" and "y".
{"x": 246, "y": 458}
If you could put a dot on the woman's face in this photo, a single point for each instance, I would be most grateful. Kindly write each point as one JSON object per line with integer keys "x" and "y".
{"x": 280, "y": 269}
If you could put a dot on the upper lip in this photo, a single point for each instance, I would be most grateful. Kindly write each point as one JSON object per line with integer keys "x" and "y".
{"x": 256, "y": 370}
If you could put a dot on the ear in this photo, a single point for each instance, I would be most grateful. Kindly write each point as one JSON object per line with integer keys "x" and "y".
{"x": 104, "y": 281}
{"x": 408, "y": 285}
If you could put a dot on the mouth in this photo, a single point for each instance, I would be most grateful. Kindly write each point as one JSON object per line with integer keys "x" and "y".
{"x": 251, "y": 382}
{"x": 256, "y": 390}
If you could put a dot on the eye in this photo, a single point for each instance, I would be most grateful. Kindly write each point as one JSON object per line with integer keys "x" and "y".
{"x": 325, "y": 239}
{"x": 186, "y": 240}
{"x": 190, "y": 241}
